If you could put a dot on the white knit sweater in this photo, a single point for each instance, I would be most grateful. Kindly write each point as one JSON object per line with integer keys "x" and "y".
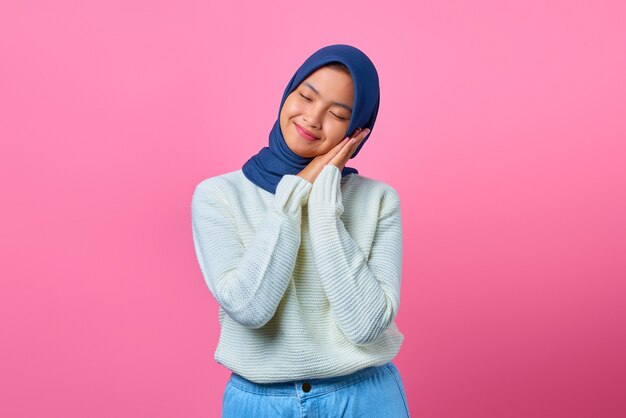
{"x": 307, "y": 279}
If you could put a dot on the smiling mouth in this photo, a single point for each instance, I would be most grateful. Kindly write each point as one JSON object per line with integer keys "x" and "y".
{"x": 304, "y": 134}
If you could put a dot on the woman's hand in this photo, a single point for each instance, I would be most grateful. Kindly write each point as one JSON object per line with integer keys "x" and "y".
{"x": 338, "y": 156}
{"x": 345, "y": 152}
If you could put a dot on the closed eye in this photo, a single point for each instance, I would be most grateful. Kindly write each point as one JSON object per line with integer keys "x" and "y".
{"x": 309, "y": 100}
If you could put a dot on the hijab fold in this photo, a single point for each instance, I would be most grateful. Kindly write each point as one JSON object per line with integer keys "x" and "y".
{"x": 270, "y": 164}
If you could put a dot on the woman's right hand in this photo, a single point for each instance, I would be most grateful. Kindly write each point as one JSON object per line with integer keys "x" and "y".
{"x": 315, "y": 167}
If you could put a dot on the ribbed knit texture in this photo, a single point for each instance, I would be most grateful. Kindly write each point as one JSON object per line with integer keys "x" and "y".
{"x": 307, "y": 279}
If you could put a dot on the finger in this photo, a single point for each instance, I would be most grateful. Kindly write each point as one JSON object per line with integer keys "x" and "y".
{"x": 343, "y": 155}
{"x": 354, "y": 142}
{"x": 342, "y": 144}
{"x": 337, "y": 149}
{"x": 349, "y": 148}
{"x": 357, "y": 141}
{"x": 347, "y": 142}
{"x": 356, "y": 132}
{"x": 354, "y": 146}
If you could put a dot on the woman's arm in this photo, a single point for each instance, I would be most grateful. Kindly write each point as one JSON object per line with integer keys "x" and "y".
{"x": 364, "y": 292}
{"x": 248, "y": 283}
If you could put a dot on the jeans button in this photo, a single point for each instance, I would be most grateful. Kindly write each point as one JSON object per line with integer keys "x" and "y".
{"x": 306, "y": 386}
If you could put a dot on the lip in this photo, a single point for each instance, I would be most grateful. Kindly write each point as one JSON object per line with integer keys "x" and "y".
{"x": 305, "y": 134}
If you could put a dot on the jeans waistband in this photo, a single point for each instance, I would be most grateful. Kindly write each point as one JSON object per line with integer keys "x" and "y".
{"x": 306, "y": 387}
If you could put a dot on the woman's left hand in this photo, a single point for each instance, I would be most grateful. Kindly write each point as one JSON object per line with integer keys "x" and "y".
{"x": 342, "y": 157}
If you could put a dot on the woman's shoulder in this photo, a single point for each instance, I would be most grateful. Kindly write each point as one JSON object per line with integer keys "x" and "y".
{"x": 362, "y": 184}
{"x": 228, "y": 182}
{"x": 378, "y": 196}
{"x": 226, "y": 188}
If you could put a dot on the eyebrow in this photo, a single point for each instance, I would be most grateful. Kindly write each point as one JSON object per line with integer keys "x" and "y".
{"x": 309, "y": 85}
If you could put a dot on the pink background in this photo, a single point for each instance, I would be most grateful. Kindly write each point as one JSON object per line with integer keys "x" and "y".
{"x": 502, "y": 126}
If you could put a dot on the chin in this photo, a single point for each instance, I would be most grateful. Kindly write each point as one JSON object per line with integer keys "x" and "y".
{"x": 305, "y": 154}
{"x": 296, "y": 149}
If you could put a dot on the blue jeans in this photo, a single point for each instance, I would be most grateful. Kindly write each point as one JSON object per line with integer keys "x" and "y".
{"x": 371, "y": 392}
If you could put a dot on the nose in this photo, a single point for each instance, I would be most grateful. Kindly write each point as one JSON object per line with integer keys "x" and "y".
{"x": 313, "y": 116}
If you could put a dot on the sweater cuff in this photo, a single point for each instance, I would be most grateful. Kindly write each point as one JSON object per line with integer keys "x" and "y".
{"x": 326, "y": 189}
{"x": 292, "y": 192}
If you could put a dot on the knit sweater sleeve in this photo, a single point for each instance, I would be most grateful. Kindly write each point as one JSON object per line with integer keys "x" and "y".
{"x": 362, "y": 289}
{"x": 248, "y": 282}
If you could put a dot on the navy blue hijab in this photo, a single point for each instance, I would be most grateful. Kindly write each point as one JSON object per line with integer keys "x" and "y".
{"x": 267, "y": 168}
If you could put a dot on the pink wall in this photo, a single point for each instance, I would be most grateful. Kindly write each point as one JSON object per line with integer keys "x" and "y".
{"x": 501, "y": 125}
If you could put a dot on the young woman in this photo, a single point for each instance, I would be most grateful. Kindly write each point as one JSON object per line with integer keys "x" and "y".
{"x": 304, "y": 255}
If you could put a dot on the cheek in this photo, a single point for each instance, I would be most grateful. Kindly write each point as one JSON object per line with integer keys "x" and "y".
{"x": 291, "y": 108}
{"x": 336, "y": 131}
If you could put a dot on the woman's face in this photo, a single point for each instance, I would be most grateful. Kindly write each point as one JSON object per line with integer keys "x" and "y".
{"x": 321, "y": 105}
